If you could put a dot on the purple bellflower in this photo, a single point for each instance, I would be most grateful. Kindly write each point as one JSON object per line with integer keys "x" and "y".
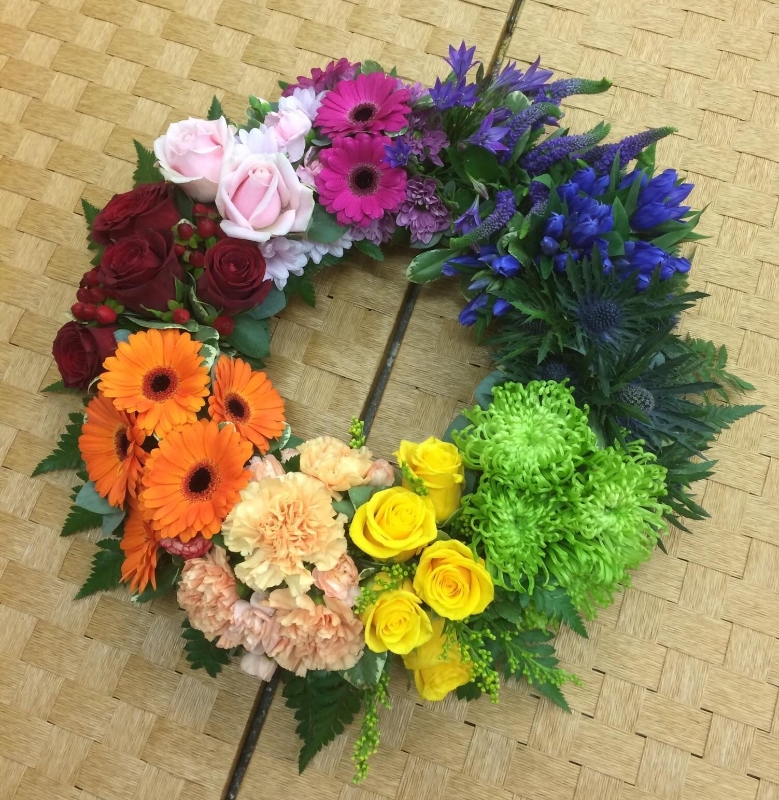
{"x": 489, "y": 135}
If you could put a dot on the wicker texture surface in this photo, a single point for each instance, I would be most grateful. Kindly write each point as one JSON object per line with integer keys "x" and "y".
{"x": 96, "y": 700}
{"x": 681, "y": 675}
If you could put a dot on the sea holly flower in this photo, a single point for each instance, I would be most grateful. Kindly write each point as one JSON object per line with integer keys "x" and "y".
{"x": 489, "y": 135}
{"x": 423, "y": 211}
{"x": 372, "y": 103}
{"x": 356, "y": 183}
{"x": 659, "y": 199}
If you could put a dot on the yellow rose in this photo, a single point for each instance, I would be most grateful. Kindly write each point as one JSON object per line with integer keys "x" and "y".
{"x": 439, "y": 465}
{"x": 394, "y": 524}
{"x": 452, "y": 582}
{"x": 434, "y": 675}
{"x": 396, "y": 622}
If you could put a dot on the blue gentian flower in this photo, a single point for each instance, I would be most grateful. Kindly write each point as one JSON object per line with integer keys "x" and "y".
{"x": 641, "y": 259}
{"x": 500, "y": 307}
{"x": 469, "y": 314}
{"x": 506, "y": 266}
{"x": 659, "y": 199}
{"x": 489, "y": 135}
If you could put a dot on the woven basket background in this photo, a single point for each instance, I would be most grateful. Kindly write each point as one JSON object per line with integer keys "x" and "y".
{"x": 96, "y": 700}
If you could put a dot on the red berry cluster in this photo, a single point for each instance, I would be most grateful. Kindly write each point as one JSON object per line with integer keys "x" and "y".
{"x": 91, "y": 305}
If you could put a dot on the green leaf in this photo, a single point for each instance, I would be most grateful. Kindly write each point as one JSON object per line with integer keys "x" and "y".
{"x": 621, "y": 224}
{"x": 427, "y": 266}
{"x": 90, "y": 212}
{"x": 106, "y": 569}
{"x": 370, "y": 249}
{"x": 510, "y": 611}
{"x": 457, "y": 424}
{"x": 324, "y": 227}
{"x": 251, "y": 336}
{"x": 344, "y": 507}
{"x": 555, "y": 603}
{"x": 553, "y": 693}
{"x": 481, "y": 165}
{"x": 79, "y": 519}
{"x": 89, "y": 499}
{"x": 369, "y": 67}
{"x": 359, "y": 495}
{"x": 302, "y": 285}
{"x": 215, "y": 109}
{"x": 190, "y": 325}
{"x": 367, "y": 671}
{"x": 201, "y": 653}
{"x": 66, "y": 455}
{"x": 184, "y": 203}
{"x": 270, "y": 306}
{"x": 59, "y": 387}
{"x": 468, "y": 692}
{"x": 166, "y": 576}
{"x": 483, "y": 391}
{"x": 324, "y": 704}
{"x": 145, "y": 171}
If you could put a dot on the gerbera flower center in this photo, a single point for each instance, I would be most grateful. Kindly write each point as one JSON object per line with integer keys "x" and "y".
{"x": 364, "y": 179}
{"x": 237, "y": 408}
{"x": 121, "y": 444}
{"x": 364, "y": 112}
{"x": 160, "y": 384}
{"x": 200, "y": 482}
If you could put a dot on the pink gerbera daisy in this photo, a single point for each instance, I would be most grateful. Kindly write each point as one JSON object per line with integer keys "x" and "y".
{"x": 356, "y": 183}
{"x": 371, "y": 103}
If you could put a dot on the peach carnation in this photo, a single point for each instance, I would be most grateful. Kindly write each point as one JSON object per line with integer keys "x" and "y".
{"x": 279, "y": 526}
{"x": 334, "y": 463}
{"x": 257, "y": 664}
{"x": 381, "y": 473}
{"x": 253, "y": 625}
{"x": 340, "y": 582}
{"x": 265, "y": 467}
{"x": 313, "y": 636}
{"x": 208, "y": 594}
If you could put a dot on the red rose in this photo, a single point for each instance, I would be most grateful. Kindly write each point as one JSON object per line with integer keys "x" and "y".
{"x": 138, "y": 271}
{"x": 148, "y": 206}
{"x": 80, "y": 352}
{"x": 234, "y": 276}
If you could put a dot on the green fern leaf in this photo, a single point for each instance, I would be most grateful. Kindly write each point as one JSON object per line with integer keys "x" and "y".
{"x": 145, "y": 171}
{"x": 66, "y": 455}
{"x": 203, "y": 654}
{"x": 79, "y": 519}
{"x": 106, "y": 569}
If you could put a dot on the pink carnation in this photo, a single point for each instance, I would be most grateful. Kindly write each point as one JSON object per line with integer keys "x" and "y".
{"x": 381, "y": 473}
{"x": 208, "y": 594}
{"x": 313, "y": 636}
{"x": 257, "y": 664}
{"x": 253, "y": 626}
{"x": 340, "y": 582}
{"x": 265, "y": 467}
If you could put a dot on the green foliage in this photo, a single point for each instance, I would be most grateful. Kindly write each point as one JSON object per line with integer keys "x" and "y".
{"x": 303, "y": 286}
{"x": 370, "y": 249}
{"x": 79, "y": 519}
{"x": 215, "y": 109}
{"x": 367, "y": 742}
{"x": 66, "y": 455}
{"x": 553, "y": 602}
{"x": 367, "y": 672}
{"x": 106, "y": 569}
{"x": 203, "y": 654}
{"x": 166, "y": 576}
{"x": 324, "y": 227}
{"x": 427, "y": 265}
{"x": 251, "y": 337}
{"x": 90, "y": 212}
{"x": 324, "y": 704}
{"x": 145, "y": 171}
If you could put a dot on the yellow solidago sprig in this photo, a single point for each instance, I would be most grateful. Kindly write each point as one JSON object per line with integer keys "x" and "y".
{"x": 367, "y": 743}
{"x": 357, "y": 433}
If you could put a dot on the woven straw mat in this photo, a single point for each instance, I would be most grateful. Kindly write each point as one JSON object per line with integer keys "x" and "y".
{"x": 96, "y": 700}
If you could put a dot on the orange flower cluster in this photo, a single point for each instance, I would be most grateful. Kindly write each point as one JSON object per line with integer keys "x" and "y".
{"x": 151, "y": 442}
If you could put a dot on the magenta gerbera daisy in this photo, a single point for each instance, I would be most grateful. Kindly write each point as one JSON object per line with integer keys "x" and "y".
{"x": 356, "y": 183}
{"x": 372, "y": 103}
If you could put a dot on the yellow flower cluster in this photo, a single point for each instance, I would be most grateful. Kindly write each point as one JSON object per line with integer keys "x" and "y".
{"x": 450, "y": 583}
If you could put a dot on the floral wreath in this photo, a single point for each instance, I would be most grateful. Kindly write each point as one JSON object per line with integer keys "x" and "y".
{"x": 312, "y": 556}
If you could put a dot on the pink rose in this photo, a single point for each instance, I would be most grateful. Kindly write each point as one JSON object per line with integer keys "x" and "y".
{"x": 381, "y": 473}
{"x": 265, "y": 467}
{"x": 289, "y": 129}
{"x": 341, "y": 582}
{"x": 257, "y": 664}
{"x": 260, "y": 196}
{"x": 191, "y": 154}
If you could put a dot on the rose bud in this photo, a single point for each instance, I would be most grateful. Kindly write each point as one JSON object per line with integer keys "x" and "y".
{"x": 234, "y": 278}
{"x": 139, "y": 271}
{"x": 148, "y": 206}
{"x": 80, "y": 351}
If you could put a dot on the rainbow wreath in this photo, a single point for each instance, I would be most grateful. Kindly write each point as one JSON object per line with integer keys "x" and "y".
{"x": 312, "y": 556}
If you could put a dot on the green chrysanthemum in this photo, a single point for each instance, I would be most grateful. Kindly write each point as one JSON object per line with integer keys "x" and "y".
{"x": 532, "y": 436}
{"x": 513, "y": 529}
{"x": 616, "y": 517}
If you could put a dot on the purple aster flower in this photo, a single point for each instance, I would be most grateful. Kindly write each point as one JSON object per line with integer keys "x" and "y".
{"x": 506, "y": 266}
{"x": 461, "y": 60}
{"x": 423, "y": 211}
{"x": 557, "y": 91}
{"x": 397, "y": 153}
{"x": 641, "y": 259}
{"x": 427, "y": 144}
{"x": 469, "y": 220}
{"x": 542, "y": 157}
{"x": 659, "y": 199}
{"x": 505, "y": 207}
{"x": 450, "y": 94}
{"x": 514, "y": 80}
{"x": 330, "y": 77}
{"x": 489, "y": 135}
{"x": 469, "y": 314}
{"x": 379, "y": 231}
{"x": 601, "y": 158}
{"x": 415, "y": 93}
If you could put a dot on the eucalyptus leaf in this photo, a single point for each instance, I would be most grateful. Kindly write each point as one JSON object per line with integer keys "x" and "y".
{"x": 270, "y": 306}
{"x": 344, "y": 507}
{"x": 112, "y": 521}
{"x": 360, "y": 495}
{"x": 251, "y": 336}
{"x": 457, "y": 424}
{"x": 190, "y": 325}
{"x": 483, "y": 391}
{"x": 89, "y": 499}
{"x": 324, "y": 227}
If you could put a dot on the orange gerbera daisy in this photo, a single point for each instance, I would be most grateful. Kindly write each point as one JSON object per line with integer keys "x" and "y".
{"x": 140, "y": 546}
{"x": 248, "y": 400}
{"x": 111, "y": 446}
{"x": 194, "y": 478}
{"x": 160, "y": 374}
